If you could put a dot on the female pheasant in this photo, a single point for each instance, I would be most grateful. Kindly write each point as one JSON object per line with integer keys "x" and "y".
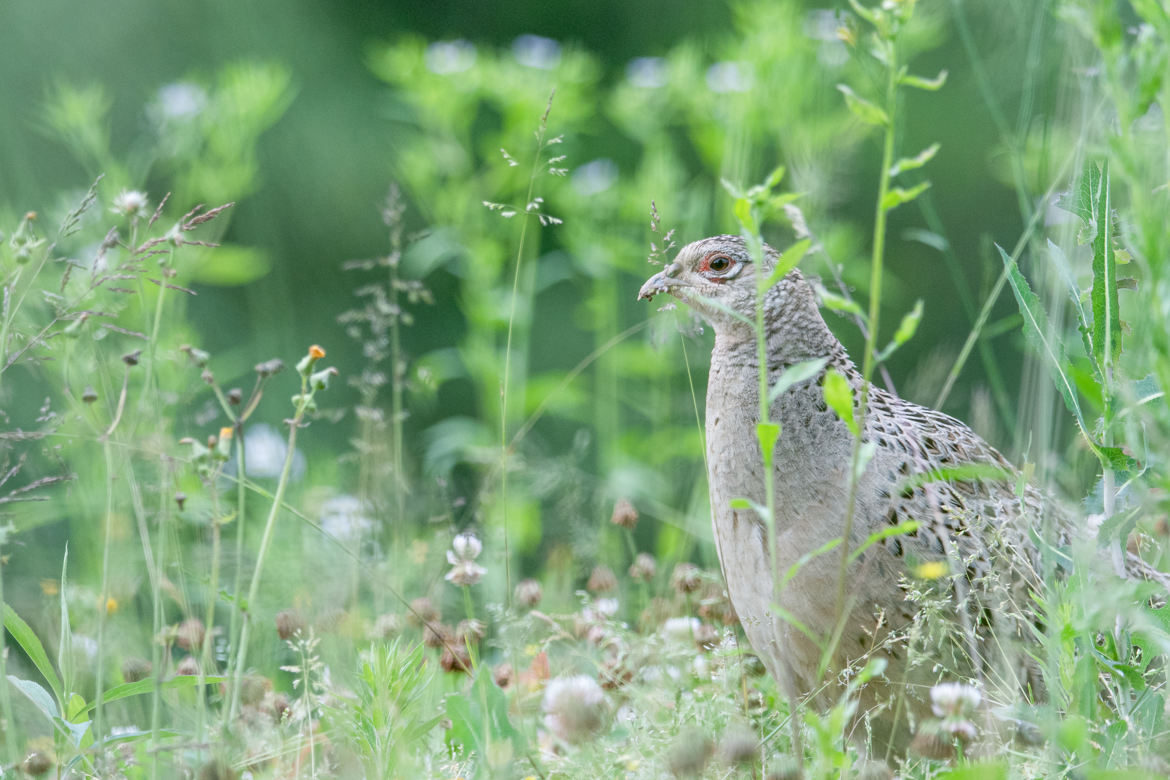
{"x": 971, "y": 554}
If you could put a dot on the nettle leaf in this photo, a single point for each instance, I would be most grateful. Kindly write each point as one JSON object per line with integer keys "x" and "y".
{"x": 839, "y": 397}
{"x": 1106, "y": 336}
{"x": 917, "y": 161}
{"x": 918, "y": 82}
{"x": 897, "y": 196}
{"x": 795, "y": 374}
{"x": 862, "y": 109}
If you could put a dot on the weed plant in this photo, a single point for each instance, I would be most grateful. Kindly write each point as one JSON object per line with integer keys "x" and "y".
{"x": 508, "y": 572}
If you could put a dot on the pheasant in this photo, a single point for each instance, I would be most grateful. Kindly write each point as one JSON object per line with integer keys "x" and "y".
{"x": 965, "y": 528}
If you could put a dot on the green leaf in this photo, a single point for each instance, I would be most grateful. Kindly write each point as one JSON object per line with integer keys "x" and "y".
{"x": 788, "y": 260}
{"x": 743, "y": 214}
{"x": 33, "y": 648}
{"x": 992, "y": 770}
{"x": 126, "y": 690}
{"x": 740, "y": 503}
{"x": 479, "y": 719}
{"x": 930, "y": 85}
{"x": 906, "y": 329}
{"x": 831, "y": 300}
{"x": 795, "y": 374}
{"x": 1106, "y": 319}
{"x": 1079, "y": 200}
{"x": 864, "y": 110}
{"x": 908, "y": 527}
{"x": 897, "y": 195}
{"x": 767, "y": 434}
{"x": 910, "y": 163}
{"x": 65, "y": 642}
{"x": 230, "y": 266}
{"x": 839, "y": 397}
{"x": 746, "y": 503}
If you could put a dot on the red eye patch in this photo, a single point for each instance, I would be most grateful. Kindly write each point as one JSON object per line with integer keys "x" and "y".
{"x": 716, "y": 263}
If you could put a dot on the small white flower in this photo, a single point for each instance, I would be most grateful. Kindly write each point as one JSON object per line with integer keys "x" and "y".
{"x": 954, "y": 699}
{"x": 681, "y": 629}
{"x": 131, "y": 203}
{"x": 729, "y": 77}
{"x": 465, "y": 547}
{"x": 534, "y": 51}
{"x": 647, "y": 72}
{"x": 180, "y": 100}
{"x": 446, "y": 57}
{"x": 464, "y": 572}
{"x": 574, "y": 707}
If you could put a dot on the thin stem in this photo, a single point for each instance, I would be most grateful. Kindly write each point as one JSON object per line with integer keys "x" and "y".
{"x": 241, "y": 505}
{"x": 525, "y": 219}
{"x": 104, "y": 592}
{"x": 875, "y": 299}
{"x": 265, "y": 543}
{"x": 152, "y": 345}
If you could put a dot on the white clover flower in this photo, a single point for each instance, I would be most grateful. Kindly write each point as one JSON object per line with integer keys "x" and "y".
{"x": 535, "y": 51}
{"x": 464, "y": 572}
{"x": 180, "y": 100}
{"x": 446, "y": 57}
{"x": 464, "y": 547}
{"x": 647, "y": 72}
{"x": 729, "y": 77}
{"x": 131, "y": 203}
{"x": 574, "y": 707}
{"x": 950, "y": 699}
{"x": 681, "y": 629}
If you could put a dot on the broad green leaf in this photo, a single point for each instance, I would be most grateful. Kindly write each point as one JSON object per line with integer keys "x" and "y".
{"x": 864, "y": 110}
{"x": 831, "y": 300}
{"x": 1106, "y": 319}
{"x": 930, "y": 85}
{"x": 795, "y": 374}
{"x": 33, "y": 648}
{"x": 897, "y": 196}
{"x": 38, "y": 696}
{"x": 917, "y": 161}
{"x": 839, "y": 397}
{"x": 788, "y": 260}
{"x": 1079, "y": 200}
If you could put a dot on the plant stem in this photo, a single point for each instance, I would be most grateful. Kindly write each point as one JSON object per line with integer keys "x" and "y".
{"x": 241, "y": 505}
{"x": 265, "y": 543}
{"x": 875, "y": 299}
{"x": 103, "y": 591}
{"x": 5, "y": 699}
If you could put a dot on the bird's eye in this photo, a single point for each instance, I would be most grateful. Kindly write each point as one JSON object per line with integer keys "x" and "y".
{"x": 719, "y": 263}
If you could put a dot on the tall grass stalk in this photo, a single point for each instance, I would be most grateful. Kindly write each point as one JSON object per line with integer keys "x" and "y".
{"x": 505, "y": 388}
{"x": 304, "y": 401}
{"x": 5, "y": 695}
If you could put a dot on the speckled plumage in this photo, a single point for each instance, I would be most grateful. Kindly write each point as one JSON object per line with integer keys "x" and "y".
{"x": 972, "y": 526}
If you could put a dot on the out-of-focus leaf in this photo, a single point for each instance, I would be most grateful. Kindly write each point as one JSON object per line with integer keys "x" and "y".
{"x": 230, "y": 266}
{"x": 839, "y": 397}
{"x": 862, "y": 109}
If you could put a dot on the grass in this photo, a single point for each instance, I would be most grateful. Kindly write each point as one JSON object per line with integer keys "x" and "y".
{"x": 526, "y": 589}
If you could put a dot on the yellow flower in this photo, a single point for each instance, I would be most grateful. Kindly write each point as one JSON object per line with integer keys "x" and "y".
{"x": 931, "y": 570}
{"x": 316, "y": 352}
{"x": 50, "y": 587}
{"x": 225, "y": 433}
{"x": 111, "y": 605}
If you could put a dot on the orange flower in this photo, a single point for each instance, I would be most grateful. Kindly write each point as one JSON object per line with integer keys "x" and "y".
{"x": 225, "y": 433}
{"x": 316, "y": 352}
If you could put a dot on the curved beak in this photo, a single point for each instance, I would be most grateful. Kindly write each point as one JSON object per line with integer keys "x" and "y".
{"x": 661, "y": 282}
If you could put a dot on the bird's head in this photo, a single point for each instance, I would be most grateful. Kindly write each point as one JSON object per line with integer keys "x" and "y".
{"x": 717, "y": 277}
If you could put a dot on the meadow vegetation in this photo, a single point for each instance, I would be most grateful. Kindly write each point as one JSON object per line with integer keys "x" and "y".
{"x": 479, "y": 545}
